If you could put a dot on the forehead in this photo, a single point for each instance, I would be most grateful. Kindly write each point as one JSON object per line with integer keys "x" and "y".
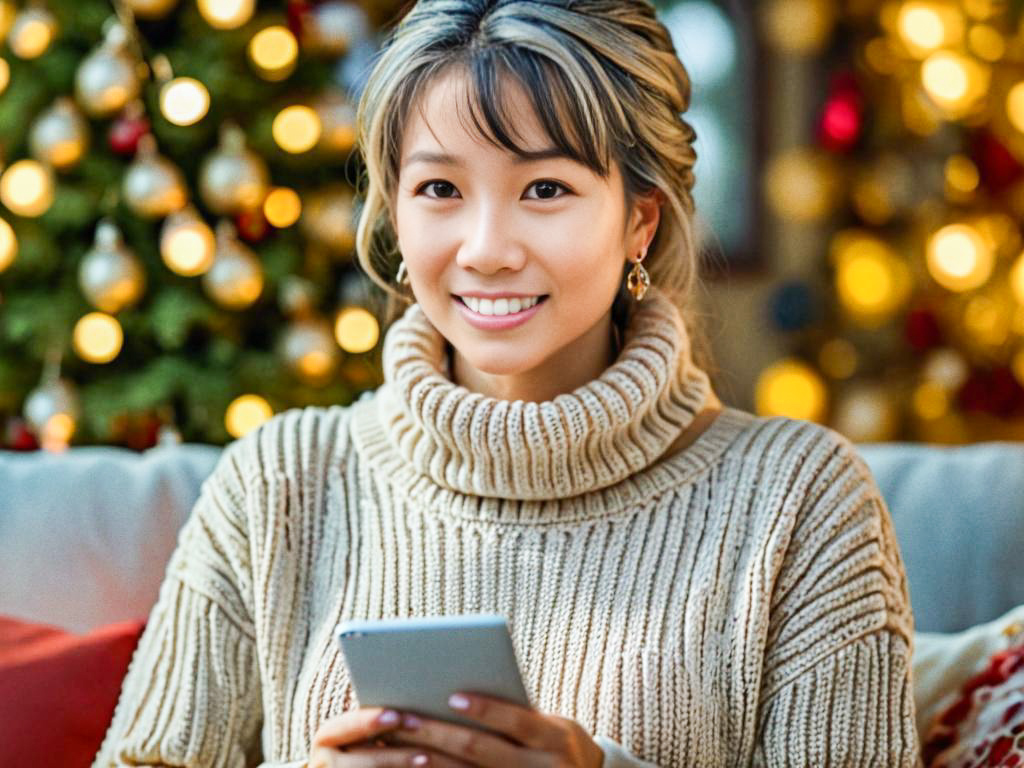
{"x": 446, "y": 116}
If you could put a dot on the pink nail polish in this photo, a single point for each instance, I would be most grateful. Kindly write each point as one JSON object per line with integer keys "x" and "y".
{"x": 388, "y": 717}
{"x": 458, "y": 701}
{"x": 411, "y": 722}
{"x": 420, "y": 760}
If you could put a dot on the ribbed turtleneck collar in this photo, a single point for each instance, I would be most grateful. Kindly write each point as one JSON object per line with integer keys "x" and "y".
{"x": 601, "y": 433}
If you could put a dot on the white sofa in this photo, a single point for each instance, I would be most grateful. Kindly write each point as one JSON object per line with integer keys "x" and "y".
{"x": 85, "y": 537}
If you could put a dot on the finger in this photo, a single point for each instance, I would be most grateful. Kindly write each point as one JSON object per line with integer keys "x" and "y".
{"x": 525, "y": 726}
{"x": 471, "y": 745}
{"x": 393, "y": 758}
{"x": 362, "y": 724}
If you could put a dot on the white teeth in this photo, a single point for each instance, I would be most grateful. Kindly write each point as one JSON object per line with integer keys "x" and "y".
{"x": 499, "y": 307}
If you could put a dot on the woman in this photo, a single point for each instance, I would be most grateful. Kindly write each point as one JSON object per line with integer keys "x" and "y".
{"x": 686, "y": 584}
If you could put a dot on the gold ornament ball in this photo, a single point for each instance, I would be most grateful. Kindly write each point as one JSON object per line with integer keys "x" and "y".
{"x": 235, "y": 280}
{"x": 32, "y": 32}
{"x": 60, "y": 135}
{"x": 106, "y": 80}
{"x": 309, "y": 349}
{"x": 110, "y": 274}
{"x": 232, "y": 178}
{"x": 327, "y": 218}
{"x": 151, "y": 9}
{"x": 338, "y": 123}
{"x": 51, "y": 405}
{"x": 153, "y": 186}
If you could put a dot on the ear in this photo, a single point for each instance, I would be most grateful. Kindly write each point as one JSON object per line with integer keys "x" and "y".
{"x": 644, "y": 220}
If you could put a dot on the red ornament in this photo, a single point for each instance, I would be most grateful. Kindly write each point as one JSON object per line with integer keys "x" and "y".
{"x": 842, "y": 119}
{"x": 298, "y": 16}
{"x": 252, "y": 226}
{"x": 20, "y": 437}
{"x": 922, "y": 329}
{"x": 998, "y": 167}
{"x": 125, "y": 133}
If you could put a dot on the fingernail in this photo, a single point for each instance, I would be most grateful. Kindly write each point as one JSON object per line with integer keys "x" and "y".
{"x": 458, "y": 701}
{"x": 388, "y": 717}
{"x": 420, "y": 760}
{"x": 411, "y": 722}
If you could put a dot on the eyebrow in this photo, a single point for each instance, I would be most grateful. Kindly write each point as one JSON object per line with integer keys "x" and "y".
{"x": 519, "y": 159}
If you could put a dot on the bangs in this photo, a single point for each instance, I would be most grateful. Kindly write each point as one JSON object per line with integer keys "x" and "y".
{"x": 483, "y": 106}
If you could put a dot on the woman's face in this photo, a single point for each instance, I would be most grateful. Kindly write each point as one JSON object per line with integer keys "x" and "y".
{"x": 474, "y": 220}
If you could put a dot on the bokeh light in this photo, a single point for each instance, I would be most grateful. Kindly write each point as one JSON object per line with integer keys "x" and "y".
{"x": 245, "y": 414}
{"x": 793, "y": 389}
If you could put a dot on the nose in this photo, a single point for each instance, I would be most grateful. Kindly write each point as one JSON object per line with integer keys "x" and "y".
{"x": 490, "y": 243}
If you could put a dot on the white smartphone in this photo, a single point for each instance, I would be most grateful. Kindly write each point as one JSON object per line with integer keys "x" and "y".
{"x": 415, "y": 664}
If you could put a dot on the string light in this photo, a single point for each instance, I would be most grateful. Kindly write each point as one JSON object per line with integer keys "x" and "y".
{"x": 187, "y": 244}
{"x": 356, "y": 330}
{"x": 282, "y": 207}
{"x": 924, "y": 27}
{"x": 838, "y": 358}
{"x": 245, "y": 413}
{"x": 1017, "y": 279}
{"x": 274, "y": 52}
{"x": 8, "y": 245}
{"x": 226, "y": 14}
{"x": 296, "y": 129}
{"x": 5, "y": 75}
{"x": 954, "y": 81}
{"x": 26, "y": 188}
{"x": 793, "y": 389}
{"x": 184, "y": 101}
{"x": 959, "y": 258}
{"x": 98, "y": 337}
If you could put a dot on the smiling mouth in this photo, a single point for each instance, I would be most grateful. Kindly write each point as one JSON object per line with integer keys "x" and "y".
{"x": 462, "y": 301}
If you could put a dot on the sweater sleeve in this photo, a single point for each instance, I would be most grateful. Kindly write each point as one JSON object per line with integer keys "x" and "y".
{"x": 191, "y": 696}
{"x": 837, "y": 686}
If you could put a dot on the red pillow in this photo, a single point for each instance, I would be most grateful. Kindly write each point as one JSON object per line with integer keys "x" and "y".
{"x": 58, "y": 690}
{"x": 984, "y": 726}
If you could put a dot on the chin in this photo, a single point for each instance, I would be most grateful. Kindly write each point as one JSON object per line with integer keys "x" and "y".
{"x": 498, "y": 363}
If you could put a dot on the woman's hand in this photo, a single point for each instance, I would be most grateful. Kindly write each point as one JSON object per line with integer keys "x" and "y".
{"x": 528, "y": 739}
{"x": 361, "y": 738}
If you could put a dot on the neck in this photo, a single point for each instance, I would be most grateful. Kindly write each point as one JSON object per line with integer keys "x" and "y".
{"x": 578, "y": 362}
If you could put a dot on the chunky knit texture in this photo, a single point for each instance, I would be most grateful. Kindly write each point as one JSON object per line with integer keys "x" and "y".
{"x": 741, "y": 602}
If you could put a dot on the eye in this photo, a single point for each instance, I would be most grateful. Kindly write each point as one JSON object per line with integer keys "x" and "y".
{"x": 443, "y": 188}
{"x": 548, "y": 190}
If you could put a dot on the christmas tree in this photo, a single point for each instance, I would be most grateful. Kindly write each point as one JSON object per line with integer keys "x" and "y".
{"x": 913, "y": 328}
{"x": 176, "y": 237}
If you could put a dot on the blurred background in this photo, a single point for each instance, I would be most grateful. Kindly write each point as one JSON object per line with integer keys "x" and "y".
{"x": 177, "y": 212}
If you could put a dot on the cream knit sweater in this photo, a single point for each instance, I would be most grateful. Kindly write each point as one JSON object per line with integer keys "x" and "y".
{"x": 742, "y": 602}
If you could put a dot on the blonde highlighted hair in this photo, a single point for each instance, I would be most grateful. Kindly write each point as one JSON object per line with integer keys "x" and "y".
{"x": 606, "y": 85}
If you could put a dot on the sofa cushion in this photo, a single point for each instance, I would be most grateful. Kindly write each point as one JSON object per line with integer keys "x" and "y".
{"x": 984, "y": 724}
{"x": 58, "y": 690}
{"x": 85, "y": 535}
{"x": 958, "y": 513}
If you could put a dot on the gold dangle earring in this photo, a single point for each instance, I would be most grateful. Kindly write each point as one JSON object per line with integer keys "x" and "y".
{"x": 402, "y": 277}
{"x": 638, "y": 281}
